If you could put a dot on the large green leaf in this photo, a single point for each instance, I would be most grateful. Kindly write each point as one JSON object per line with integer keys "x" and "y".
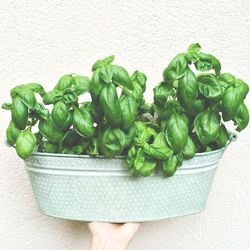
{"x": 50, "y": 131}
{"x": 207, "y": 125}
{"x": 242, "y": 117}
{"x": 190, "y": 149}
{"x": 159, "y": 149}
{"x": 25, "y": 144}
{"x": 12, "y": 133}
{"x": 121, "y": 77}
{"x": 187, "y": 90}
{"x": 110, "y": 104}
{"x": 19, "y": 113}
{"x": 83, "y": 123}
{"x": 61, "y": 115}
{"x": 176, "y": 132}
{"x": 231, "y": 102}
{"x": 210, "y": 87}
{"x": 129, "y": 111}
{"x": 111, "y": 142}
{"x": 64, "y": 82}
{"x": 176, "y": 69}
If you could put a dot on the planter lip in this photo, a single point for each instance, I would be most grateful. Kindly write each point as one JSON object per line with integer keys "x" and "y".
{"x": 116, "y": 157}
{"x": 232, "y": 138}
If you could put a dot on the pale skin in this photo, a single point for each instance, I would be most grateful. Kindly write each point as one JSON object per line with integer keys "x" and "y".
{"x": 109, "y": 236}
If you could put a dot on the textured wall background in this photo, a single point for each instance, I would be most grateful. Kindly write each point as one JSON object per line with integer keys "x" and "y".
{"x": 41, "y": 40}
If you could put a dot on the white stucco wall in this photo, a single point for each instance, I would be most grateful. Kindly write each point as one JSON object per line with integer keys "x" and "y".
{"x": 42, "y": 40}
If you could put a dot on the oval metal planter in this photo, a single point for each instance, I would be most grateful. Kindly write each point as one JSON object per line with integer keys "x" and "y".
{"x": 79, "y": 187}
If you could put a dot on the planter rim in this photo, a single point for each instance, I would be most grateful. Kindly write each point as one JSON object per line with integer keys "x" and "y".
{"x": 116, "y": 157}
{"x": 232, "y": 137}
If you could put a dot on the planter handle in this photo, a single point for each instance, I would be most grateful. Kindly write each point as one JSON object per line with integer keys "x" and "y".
{"x": 232, "y": 137}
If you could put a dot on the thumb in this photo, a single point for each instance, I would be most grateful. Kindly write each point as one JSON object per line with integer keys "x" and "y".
{"x": 129, "y": 229}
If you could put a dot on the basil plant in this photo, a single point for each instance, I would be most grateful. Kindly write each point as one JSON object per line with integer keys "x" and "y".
{"x": 191, "y": 105}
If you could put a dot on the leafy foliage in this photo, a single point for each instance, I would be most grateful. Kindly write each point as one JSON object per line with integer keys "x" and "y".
{"x": 186, "y": 117}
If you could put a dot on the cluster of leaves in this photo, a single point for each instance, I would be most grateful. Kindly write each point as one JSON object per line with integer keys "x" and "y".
{"x": 185, "y": 118}
{"x": 103, "y": 126}
{"x": 191, "y": 107}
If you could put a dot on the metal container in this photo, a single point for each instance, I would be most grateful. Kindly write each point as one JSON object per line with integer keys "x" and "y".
{"x": 85, "y": 188}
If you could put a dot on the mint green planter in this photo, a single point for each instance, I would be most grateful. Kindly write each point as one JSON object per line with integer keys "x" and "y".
{"x": 98, "y": 189}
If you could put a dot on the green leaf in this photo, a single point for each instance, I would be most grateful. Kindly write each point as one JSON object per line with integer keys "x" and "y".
{"x": 129, "y": 111}
{"x": 222, "y": 137}
{"x": 159, "y": 149}
{"x": 170, "y": 107}
{"x": 216, "y": 65}
{"x": 50, "y": 147}
{"x": 61, "y": 115}
{"x": 106, "y": 61}
{"x": 16, "y": 90}
{"x": 71, "y": 138}
{"x": 206, "y": 62}
{"x": 42, "y": 111}
{"x": 207, "y": 125}
{"x": 210, "y": 87}
{"x": 64, "y": 82}
{"x": 110, "y": 104}
{"x": 6, "y": 106}
{"x": 139, "y": 159}
{"x": 176, "y": 132}
{"x": 143, "y": 133}
{"x": 96, "y": 85}
{"x": 25, "y": 144}
{"x": 83, "y": 123}
{"x": 106, "y": 73}
{"x": 198, "y": 106}
{"x": 131, "y": 159}
{"x": 140, "y": 78}
{"x": 19, "y": 113}
{"x": 187, "y": 90}
{"x": 81, "y": 147}
{"x": 50, "y": 131}
{"x": 121, "y": 77}
{"x": 94, "y": 109}
{"x": 194, "y": 48}
{"x": 81, "y": 84}
{"x": 242, "y": 88}
{"x": 185, "y": 118}
{"x": 190, "y": 149}
{"x": 139, "y": 163}
{"x": 137, "y": 93}
{"x": 36, "y": 88}
{"x": 93, "y": 147}
{"x": 130, "y": 135}
{"x": 111, "y": 142}
{"x": 70, "y": 98}
{"x": 146, "y": 108}
{"x": 228, "y": 78}
{"x": 171, "y": 164}
{"x": 148, "y": 167}
{"x": 12, "y": 133}
{"x": 52, "y": 97}
{"x": 28, "y": 98}
{"x": 242, "y": 117}
{"x": 162, "y": 93}
{"x": 231, "y": 102}
{"x": 176, "y": 69}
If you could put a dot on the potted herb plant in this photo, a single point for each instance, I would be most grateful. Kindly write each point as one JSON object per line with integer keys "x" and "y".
{"x": 85, "y": 160}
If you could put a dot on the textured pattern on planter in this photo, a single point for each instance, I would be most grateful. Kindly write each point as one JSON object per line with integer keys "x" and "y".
{"x": 99, "y": 189}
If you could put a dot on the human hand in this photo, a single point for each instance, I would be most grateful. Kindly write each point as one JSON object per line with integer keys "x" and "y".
{"x": 110, "y": 236}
